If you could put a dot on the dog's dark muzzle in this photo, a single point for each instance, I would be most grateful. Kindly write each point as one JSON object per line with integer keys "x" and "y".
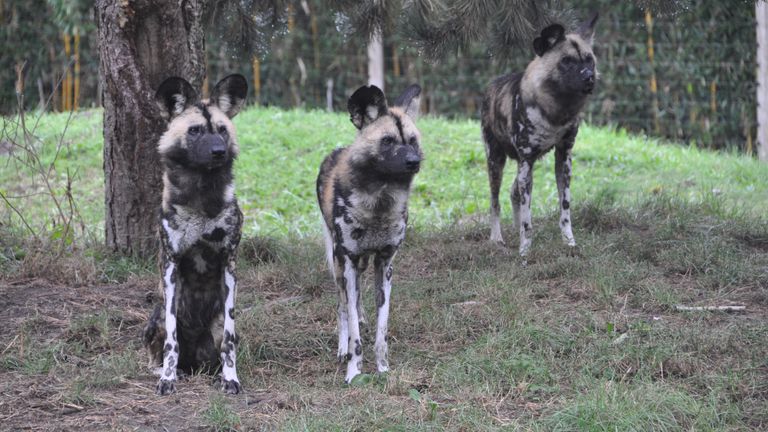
{"x": 413, "y": 163}
{"x": 588, "y": 77}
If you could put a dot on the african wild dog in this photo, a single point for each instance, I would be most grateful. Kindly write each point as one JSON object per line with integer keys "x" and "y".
{"x": 199, "y": 233}
{"x": 524, "y": 115}
{"x": 363, "y": 195}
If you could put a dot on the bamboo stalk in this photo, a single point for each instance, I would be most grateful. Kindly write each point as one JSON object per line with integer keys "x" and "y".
{"x": 315, "y": 40}
{"x": 66, "y": 89}
{"x": 653, "y": 83}
{"x": 291, "y": 18}
{"x": 76, "y": 95}
{"x": 395, "y": 61}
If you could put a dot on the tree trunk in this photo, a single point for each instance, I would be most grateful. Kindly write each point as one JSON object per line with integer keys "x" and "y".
{"x": 141, "y": 43}
{"x": 761, "y": 12}
{"x": 376, "y": 60}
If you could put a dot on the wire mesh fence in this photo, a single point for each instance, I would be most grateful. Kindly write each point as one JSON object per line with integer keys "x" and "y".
{"x": 688, "y": 78}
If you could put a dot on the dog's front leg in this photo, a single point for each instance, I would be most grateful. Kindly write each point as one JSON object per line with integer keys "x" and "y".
{"x": 229, "y": 382}
{"x": 524, "y": 185}
{"x": 355, "y": 348}
{"x": 166, "y": 385}
{"x": 382, "y": 267}
{"x": 563, "y": 178}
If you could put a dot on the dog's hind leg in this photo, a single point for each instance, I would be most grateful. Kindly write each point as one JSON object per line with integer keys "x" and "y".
{"x": 496, "y": 159}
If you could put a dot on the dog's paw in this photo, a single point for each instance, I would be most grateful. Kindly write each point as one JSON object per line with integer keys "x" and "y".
{"x": 165, "y": 387}
{"x": 231, "y": 386}
{"x": 573, "y": 250}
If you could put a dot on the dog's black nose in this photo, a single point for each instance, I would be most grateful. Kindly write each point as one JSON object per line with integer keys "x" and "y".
{"x": 412, "y": 162}
{"x": 218, "y": 151}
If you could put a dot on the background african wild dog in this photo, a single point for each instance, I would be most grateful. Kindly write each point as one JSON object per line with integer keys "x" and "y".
{"x": 200, "y": 231}
{"x": 524, "y": 115}
{"x": 363, "y": 195}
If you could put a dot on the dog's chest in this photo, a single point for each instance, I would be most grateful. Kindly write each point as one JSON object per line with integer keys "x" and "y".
{"x": 188, "y": 231}
{"x": 365, "y": 223}
{"x": 533, "y": 135}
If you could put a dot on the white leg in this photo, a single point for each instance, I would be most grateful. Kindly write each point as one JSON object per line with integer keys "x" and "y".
{"x": 383, "y": 280}
{"x": 563, "y": 177}
{"x": 341, "y": 312}
{"x": 524, "y": 187}
{"x": 166, "y": 385}
{"x": 355, "y": 348}
{"x": 229, "y": 381}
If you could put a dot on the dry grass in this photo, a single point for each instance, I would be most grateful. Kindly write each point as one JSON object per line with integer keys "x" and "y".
{"x": 477, "y": 341}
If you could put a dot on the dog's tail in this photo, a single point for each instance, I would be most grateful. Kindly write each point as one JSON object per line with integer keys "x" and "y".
{"x": 328, "y": 239}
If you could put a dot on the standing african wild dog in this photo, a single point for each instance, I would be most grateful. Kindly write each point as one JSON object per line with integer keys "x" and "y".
{"x": 524, "y": 115}
{"x": 199, "y": 233}
{"x": 363, "y": 195}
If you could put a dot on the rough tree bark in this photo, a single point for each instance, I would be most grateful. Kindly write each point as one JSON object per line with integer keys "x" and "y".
{"x": 376, "y": 60}
{"x": 141, "y": 42}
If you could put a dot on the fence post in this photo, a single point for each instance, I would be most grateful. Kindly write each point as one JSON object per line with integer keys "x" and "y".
{"x": 761, "y": 13}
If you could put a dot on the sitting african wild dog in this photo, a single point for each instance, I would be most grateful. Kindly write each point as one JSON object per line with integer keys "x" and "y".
{"x": 524, "y": 115}
{"x": 199, "y": 233}
{"x": 363, "y": 195}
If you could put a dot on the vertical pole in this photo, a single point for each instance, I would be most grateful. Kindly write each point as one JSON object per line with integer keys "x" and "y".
{"x": 76, "y": 96}
{"x": 653, "y": 83}
{"x": 761, "y": 12}
{"x": 66, "y": 88}
{"x": 376, "y": 60}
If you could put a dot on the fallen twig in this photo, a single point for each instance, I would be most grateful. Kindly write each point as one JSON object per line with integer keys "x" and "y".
{"x": 710, "y": 308}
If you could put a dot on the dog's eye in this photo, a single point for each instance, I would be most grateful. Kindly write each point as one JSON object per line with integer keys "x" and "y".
{"x": 387, "y": 141}
{"x": 222, "y": 130}
{"x": 195, "y": 130}
{"x": 589, "y": 59}
{"x": 412, "y": 142}
{"x": 567, "y": 61}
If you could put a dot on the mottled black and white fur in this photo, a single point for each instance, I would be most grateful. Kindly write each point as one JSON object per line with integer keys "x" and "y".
{"x": 200, "y": 227}
{"x": 363, "y": 194}
{"x": 524, "y": 115}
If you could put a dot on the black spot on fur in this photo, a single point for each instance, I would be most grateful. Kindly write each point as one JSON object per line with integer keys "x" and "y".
{"x": 566, "y": 205}
{"x": 167, "y": 348}
{"x": 216, "y": 235}
{"x": 358, "y": 348}
{"x": 232, "y": 313}
{"x": 357, "y": 233}
{"x": 389, "y": 273}
{"x": 526, "y": 226}
{"x": 379, "y": 298}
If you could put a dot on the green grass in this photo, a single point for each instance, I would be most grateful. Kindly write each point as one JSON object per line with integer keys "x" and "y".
{"x": 281, "y": 152}
{"x": 585, "y": 341}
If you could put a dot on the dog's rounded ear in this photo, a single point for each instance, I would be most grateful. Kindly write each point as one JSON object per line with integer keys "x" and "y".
{"x": 366, "y": 105}
{"x": 409, "y": 100}
{"x": 174, "y": 96}
{"x": 587, "y": 28}
{"x": 229, "y": 94}
{"x": 550, "y": 37}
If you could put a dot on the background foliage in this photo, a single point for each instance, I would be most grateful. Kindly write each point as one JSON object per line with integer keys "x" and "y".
{"x": 703, "y": 61}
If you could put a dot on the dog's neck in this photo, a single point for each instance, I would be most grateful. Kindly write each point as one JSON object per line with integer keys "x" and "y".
{"x": 206, "y": 192}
